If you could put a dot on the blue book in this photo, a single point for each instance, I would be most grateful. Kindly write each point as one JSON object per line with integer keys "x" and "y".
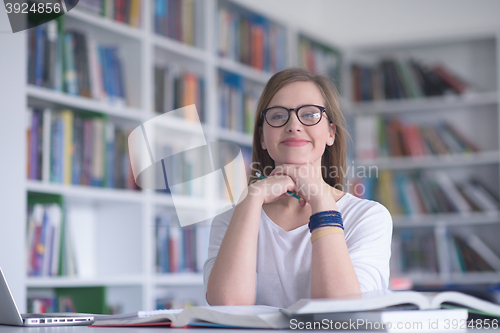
{"x": 40, "y": 52}
{"x": 110, "y": 67}
{"x": 401, "y": 180}
{"x": 104, "y": 70}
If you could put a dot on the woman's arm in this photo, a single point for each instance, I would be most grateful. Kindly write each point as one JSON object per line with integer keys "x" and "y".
{"x": 332, "y": 273}
{"x": 232, "y": 279}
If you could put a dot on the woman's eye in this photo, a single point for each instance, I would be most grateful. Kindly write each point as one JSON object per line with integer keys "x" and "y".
{"x": 309, "y": 115}
{"x": 278, "y": 116}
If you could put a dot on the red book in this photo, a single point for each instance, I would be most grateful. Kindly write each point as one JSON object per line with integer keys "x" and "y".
{"x": 451, "y": 80}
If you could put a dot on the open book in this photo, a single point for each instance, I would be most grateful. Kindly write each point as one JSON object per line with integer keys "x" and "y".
{"x": 256, "y": 316}
{"x": 370, "y": 305}
{"x": 375, "y": 300}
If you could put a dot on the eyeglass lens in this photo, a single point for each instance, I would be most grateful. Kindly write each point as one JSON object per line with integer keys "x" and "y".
{"x": 308, "y": 115}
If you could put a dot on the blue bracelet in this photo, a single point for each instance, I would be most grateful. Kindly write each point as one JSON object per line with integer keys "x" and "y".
{"x": 325, "y": 218}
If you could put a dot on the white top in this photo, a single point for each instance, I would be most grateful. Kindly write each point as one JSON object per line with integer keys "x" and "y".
{"x": 284, "y": 257}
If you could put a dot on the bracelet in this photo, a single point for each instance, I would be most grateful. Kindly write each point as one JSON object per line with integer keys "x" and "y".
{"x": 328, "y": 231}
{"x": 328, "y": 224}
{"x": 324, "y": 218}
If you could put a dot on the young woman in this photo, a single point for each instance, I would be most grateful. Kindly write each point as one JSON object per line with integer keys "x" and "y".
{"x": 272, "y": 249}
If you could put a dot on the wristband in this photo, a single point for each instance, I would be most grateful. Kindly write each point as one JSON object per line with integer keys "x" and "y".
{"x": 325, "y": 232}
{"x": 324, "y": 218}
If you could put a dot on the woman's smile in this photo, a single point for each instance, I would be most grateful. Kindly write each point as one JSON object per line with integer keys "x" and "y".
{"x": 295, "y": 142}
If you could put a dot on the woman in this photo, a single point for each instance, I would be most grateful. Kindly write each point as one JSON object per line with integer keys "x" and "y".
{"x": 261, "y": 252}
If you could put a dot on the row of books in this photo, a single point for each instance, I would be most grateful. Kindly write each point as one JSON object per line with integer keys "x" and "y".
{"x": 180, "y": 249}
{"x": 237, "y": 103}
{"x": 251, "y": 39}
{"x": 51, "y": 305}
{"x": 394, "y": 78}
{"x": 414, "y": 252}
{"x": 393, "y": 137}
{"x": 319, "y": 59}
{"x": 126, "y": 11}
{"x": 180, "y": 170}
{"x": 48, "y": 244}
{"x": 68, "y": 61}
{"x": 470, "y": 254}
{"x": 69, "y": 299}
{"x": 84, "y": 149}
{"x": 418, "y": 193}
{"x": 175, "y": 88}
{"x": 180, "y": 20}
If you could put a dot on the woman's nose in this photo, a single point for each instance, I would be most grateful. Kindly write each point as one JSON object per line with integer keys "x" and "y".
{"x": 293, "y": 123}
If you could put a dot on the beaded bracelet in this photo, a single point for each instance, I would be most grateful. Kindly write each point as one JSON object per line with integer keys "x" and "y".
{"x": 326, "y": 217}
{"x": 325, "y": 232}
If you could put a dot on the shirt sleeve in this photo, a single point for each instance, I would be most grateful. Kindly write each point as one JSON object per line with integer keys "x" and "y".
{"x": 217, "y": 231}
{"x": 369, "y": 245}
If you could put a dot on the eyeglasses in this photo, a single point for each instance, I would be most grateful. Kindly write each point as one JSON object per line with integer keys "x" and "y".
{"x": 308, "y": 115}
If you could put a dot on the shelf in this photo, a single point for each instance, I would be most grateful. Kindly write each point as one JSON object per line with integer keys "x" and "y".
{"x": 178, "y": 279}
{"x": 59, "y": 281}
{"x": 420, "y": 278}
{"x": 424, "y": 104}
{"x": 246, "y": 71}
{"x": 475, "y": 277}
{"x": 107, "y": 24}
{"x": 53, "y": 98}
{"x": 182, "y": 202}
{"x": 429, "y": 279}
{"x": 86, "y": 192}
{"x": 434, "y": 161}
{"x": 180, "y": 48}
{"x": 236, "y": 137}
{"x": 448, "y": 219}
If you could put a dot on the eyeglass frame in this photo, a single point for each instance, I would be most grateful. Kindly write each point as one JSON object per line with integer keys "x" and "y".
{"x": 322, "y": 109}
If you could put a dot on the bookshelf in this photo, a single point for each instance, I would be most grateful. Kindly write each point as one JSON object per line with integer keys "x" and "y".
{"x": 115, "y": 227}
{"x": 425, "y": 250}
{"x": 121, "y": 223}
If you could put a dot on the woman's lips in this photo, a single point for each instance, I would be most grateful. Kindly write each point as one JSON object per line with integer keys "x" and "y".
{"x": 295, "y": 142}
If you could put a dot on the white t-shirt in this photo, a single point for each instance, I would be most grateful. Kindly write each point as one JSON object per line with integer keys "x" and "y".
{"x": 284, "y": 257}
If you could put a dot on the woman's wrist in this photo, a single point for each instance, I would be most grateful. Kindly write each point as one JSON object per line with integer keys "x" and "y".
{"x": 323, "y": 201}
{"x": 255, "y": 194}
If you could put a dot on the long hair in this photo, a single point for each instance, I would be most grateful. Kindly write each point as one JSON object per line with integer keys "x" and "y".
{"x": 333, "y": 161}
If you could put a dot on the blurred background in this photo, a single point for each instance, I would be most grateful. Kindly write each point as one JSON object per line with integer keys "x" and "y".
{"x": 419, "y": 85}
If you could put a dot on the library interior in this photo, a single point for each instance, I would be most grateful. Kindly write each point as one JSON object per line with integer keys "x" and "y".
{"x": 419, "y": 85}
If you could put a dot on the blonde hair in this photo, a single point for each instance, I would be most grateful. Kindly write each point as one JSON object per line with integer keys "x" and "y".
{"x": 334, "y": 156}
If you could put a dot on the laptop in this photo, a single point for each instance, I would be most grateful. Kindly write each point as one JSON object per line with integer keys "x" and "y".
{"x": 9, "y": 314}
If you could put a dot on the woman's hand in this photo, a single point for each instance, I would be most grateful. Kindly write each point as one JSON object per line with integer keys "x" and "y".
{"x": 272, "y": 188}
{"x": 309, "y": 185}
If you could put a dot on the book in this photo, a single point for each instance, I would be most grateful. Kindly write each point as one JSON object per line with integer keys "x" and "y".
{"x": 381, "y": 299}
{"x": 256, "y": 316}
{"x": 391, "y": 305}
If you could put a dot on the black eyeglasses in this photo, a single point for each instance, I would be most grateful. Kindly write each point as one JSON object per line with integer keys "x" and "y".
{"x": 308, "y": 115}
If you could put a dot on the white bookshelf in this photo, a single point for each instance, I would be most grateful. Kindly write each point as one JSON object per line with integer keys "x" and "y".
{"x": 475, "y": 58}
{"x": 123, "y": 220}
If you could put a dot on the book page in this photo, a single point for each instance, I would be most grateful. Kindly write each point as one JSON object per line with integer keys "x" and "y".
{"x": 252, "y": 316}
{"x": 372, "y": 300}
{"x": 466, "y": 301}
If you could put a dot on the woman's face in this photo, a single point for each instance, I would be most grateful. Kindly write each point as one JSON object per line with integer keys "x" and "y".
{"x": 311, "y": 139}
